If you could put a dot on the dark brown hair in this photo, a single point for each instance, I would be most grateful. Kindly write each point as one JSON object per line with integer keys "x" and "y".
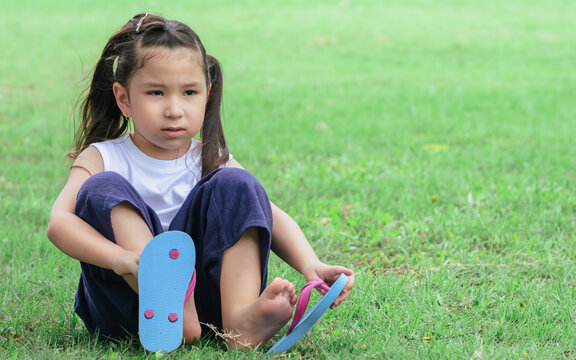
{"x": 101, "y": 119}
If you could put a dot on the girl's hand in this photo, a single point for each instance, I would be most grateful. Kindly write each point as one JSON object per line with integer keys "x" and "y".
{"x": 329, "y": 274}
{"x": 126, "y": 264}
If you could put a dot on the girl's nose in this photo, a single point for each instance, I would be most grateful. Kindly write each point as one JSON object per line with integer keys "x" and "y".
{"x": 174, "y": 109}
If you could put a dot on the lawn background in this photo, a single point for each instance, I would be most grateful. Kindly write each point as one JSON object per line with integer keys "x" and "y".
{"x": 428, "y": 145}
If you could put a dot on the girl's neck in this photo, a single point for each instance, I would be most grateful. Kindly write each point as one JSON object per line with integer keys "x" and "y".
{"x": 159, "y": 153}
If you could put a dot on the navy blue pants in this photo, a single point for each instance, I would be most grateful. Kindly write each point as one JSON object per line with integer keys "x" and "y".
{"x": 215, "y": 214}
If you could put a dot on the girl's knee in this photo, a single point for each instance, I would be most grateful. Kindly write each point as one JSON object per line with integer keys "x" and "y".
{"x": 105, "y": 179}
{"x": 102, "y": 187}
{"x": 235, "y": 179}
{"x": 103, "y": 183}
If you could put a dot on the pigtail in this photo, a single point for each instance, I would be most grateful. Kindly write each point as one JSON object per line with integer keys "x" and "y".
{"x": 214, "y": 149}
{"x": 101, "y": 117}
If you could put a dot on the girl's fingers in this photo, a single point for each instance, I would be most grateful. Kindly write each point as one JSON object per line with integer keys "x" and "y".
{"x": 335, "y": 273}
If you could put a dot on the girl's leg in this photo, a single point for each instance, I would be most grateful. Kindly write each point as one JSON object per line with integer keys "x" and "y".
{"x": 104, "y": 301}
{"x": 251, "y": 318}
{"x": 229, "y": 217}
{"x": 133, "y": 233}
{"x": 107, "y": 303}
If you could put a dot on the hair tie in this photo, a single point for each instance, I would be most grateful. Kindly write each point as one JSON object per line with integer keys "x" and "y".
{"x": 140, "y": 23}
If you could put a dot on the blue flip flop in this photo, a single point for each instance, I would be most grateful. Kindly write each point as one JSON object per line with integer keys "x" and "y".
{"x": 164, "y": 273}
{"x": 302, "y": 323}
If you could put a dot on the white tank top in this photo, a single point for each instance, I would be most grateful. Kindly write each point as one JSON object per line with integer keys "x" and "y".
{"x": 163, "y": 184}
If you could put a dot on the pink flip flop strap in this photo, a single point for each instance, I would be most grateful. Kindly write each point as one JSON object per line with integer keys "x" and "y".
{"x": 302, "y": 304}
{"x": 190, "y": 288}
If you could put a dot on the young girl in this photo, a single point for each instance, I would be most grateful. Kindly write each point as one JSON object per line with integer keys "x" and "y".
{"x": 172, "y": 172}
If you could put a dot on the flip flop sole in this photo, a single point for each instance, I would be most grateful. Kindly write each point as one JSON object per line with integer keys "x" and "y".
{"x": 164, "y": 272}
{"x": 308, "y": 320}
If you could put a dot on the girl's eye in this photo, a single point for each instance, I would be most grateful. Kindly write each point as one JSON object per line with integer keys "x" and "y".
{"x": 155, "y": 92}
{"x": 190, "y": 92}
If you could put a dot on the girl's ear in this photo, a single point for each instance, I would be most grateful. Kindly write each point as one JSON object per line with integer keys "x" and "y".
{"x": 122, "y": 99}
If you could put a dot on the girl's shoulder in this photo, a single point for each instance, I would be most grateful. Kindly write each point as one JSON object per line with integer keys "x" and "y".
{"x": 90, "y": 160}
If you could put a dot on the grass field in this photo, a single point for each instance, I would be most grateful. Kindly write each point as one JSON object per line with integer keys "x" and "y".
{"x": 428, "y": 145}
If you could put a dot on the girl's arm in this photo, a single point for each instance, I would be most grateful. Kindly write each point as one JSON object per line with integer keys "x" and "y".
{"x": 291, "y": 245}
{"x": 74, "y": 236}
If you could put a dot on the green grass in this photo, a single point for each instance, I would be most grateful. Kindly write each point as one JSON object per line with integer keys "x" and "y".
{"x": 428, "y": 145}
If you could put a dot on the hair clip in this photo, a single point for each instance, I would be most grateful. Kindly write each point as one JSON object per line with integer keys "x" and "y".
{"x": 115, "y": 65}
{"x": 140, "y": 23}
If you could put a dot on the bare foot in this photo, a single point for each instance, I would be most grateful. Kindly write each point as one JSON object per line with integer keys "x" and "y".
{"x": 255, "y": 323}
{"x": 191, "y": 327}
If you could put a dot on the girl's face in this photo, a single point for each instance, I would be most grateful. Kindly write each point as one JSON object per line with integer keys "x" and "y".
{"x": 166, "y": 100}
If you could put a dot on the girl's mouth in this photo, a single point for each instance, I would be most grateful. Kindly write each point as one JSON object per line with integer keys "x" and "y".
{"x": 173, "y": 132}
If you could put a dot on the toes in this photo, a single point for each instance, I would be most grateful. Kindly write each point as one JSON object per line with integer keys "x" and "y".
{"x": 293, "y": 299}
{"x": 289, "y": 285}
